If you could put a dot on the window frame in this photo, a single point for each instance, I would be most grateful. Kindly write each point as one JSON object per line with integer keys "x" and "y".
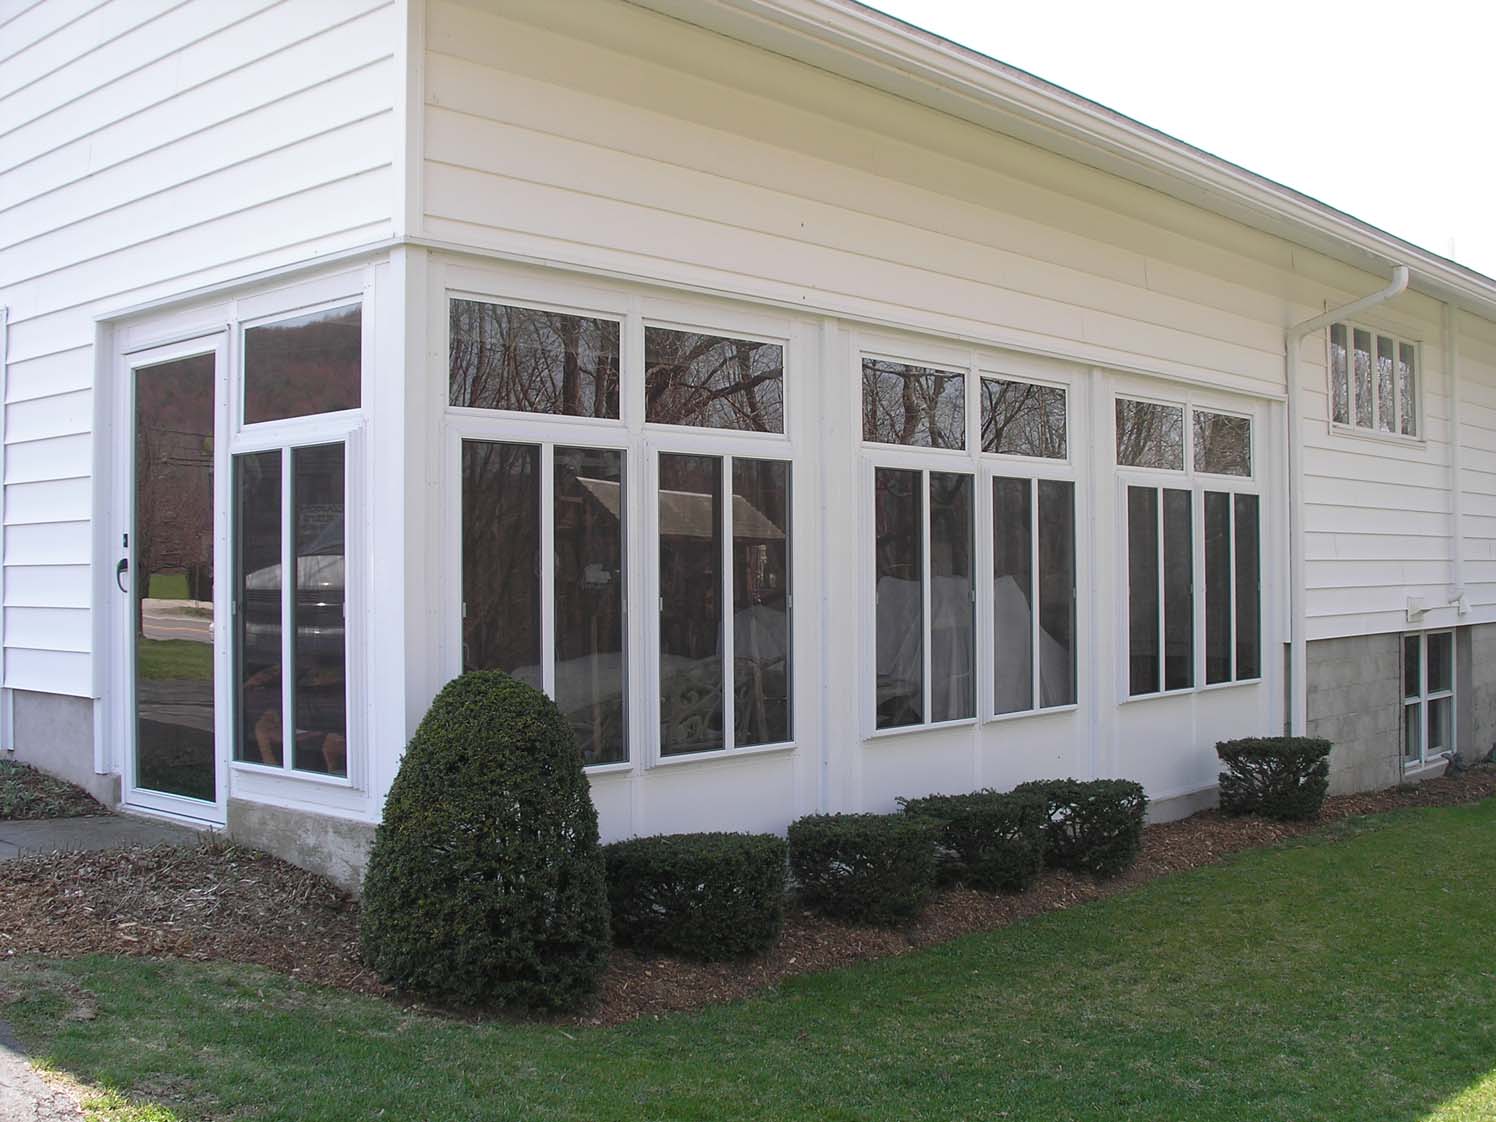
{"x": 313, "y": 423}
{"x": 1197, "y": 483}
{"x": 1351, "y": 428}
{"x": 1423, "y": 697}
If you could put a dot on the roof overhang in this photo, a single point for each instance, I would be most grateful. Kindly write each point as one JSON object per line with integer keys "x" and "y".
{"x": 856, "y": 42}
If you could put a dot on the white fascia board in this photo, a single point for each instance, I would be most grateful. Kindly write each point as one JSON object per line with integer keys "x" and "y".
{"x": 856, "y": 42}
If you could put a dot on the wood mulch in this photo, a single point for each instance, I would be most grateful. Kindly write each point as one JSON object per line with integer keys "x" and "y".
{"x": 218, "y": 901}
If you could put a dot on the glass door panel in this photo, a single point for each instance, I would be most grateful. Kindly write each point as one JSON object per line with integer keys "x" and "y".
{"x": 173, "y": 555}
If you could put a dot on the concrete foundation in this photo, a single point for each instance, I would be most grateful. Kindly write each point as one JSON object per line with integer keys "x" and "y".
{"x": 1182, "y": 806}
{"x": 54, "y": 733}
{"x": 1355, "y": 702}
{"x": 336, "y": 848}
{"x": 1475, "y": 691}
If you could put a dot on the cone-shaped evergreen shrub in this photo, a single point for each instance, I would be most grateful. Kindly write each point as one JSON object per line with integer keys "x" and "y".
{"x": 486, "y": 880}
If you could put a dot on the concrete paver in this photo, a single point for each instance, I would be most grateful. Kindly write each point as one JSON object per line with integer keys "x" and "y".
{"x": 99, "y": 831}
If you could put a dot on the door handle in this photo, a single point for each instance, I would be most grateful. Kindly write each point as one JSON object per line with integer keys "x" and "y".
{"x": 119, "y": 571}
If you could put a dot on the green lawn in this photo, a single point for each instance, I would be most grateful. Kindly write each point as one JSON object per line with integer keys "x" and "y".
{"x": 165, "y": 659}
{"x": 1348, "y": 981}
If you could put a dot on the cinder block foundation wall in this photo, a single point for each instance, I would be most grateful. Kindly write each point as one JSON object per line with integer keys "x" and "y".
{"x": 1475, "y": 690}
{"x": 1355, "y": 702}
{"x": 55, "y": 733}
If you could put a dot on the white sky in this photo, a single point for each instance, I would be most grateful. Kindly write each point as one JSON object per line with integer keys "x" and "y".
{"x": 1386, "y": 110}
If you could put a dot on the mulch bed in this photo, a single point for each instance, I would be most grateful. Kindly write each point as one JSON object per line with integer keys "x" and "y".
{"x": 221, "y": 902}
{"x": 26, "y": 793}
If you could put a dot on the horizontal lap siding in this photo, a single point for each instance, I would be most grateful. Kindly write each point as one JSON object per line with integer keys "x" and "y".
{"x": 148, "y": 147}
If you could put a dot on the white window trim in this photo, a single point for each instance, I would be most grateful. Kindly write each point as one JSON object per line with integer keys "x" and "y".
{"x": 1351, "y": 428}
{"x": 1423, "y": 697}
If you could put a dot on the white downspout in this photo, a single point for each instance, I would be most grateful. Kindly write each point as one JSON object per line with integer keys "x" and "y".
{"x": 1298, "y": 706}
{"x": 1451, "y": 348}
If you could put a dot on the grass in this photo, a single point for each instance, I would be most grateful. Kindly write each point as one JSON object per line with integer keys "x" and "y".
{"x": 28, "y": 793}
{"x": 166, "y": 659}
{"x": 1313, "y": 981}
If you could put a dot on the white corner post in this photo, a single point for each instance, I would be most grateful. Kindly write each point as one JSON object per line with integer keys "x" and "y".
{"x": 1298, "y": 686}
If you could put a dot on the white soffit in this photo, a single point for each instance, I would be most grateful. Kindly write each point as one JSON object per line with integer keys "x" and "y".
{"x": 856, "y": 42}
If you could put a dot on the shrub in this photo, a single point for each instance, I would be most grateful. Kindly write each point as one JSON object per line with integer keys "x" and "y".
{"x": 871, "y": 868}
{"x": 702, "y": 896}
{"x": 1094, "y": 826}
{"x": 988, "y": 839}
{"x": 485, "y": 882}
{"x": 1281, "y": 777}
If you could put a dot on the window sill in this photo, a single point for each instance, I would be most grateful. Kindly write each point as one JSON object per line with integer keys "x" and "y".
{"x": 905, "y": 730}
{"x": 1339, "y": 429}
{"x": 1211, "y": 687}
{"x": 247, "y": 767}
{"x": 623, "y": 767}
{"x": 1188, "y": 691}
{"x": 1024, "y": 714}
{"x": 723, "y": 754}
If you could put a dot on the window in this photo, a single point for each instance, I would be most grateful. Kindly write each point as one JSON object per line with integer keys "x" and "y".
{"x": 924, "y": 593}
{"x": 1023, "y": 419}
{"x": 1223, "y": 443}
{"x": 559, "y": 628}
{"x": 304, "y": 365}
{"x": 1373, "y": 380}
{"x": 1033, "y": 562}
{"x": 532, "y": 361}
{"x": 709, "y": 703}
{"x": 290, "y": 637}
{"x": 713, "y": 381}
{"x": 1233, "y": 627}
{"x": 1160, "y": 560}
{"x": 1428, "y": 695}
{"x": 1150, "y": 434}
{"x": 912, "y": 405}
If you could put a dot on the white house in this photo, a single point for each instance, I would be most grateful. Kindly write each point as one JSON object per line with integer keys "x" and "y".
{"x": 993, "y": 435}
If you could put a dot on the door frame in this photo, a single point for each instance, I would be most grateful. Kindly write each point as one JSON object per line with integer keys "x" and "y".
{"x": 122, "y": 522}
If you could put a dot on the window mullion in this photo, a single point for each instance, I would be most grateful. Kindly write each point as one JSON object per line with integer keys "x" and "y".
{"x": 1230, "y": 579}
{"x": 548, "y": 570}
{"x": 924, "y": 591}
{"x": 729, "y": 661}
{"x": 288, "y": 611}
{"x": 1036, "y": 695}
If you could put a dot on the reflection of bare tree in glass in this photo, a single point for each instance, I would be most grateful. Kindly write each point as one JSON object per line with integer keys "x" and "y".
{"x": 1223, "y": 444}
{"x": 1023, "y": 419}
{"x": 709, "y": 380}
{"x": 1150, "y": 435}
{"x": 533, "y": 361}
{"x": 912, "y": 405}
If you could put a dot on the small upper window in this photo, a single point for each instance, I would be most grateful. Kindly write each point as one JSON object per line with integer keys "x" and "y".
{"x": 532, "y": 361}
{"x": 1223, "y": 443}
{"x": 1023, "y": 419}
{"x": 305, "y": 365}
{"x": 1373, "y": 381}
{"x": 1150, "y": 435}
{"x": 916, "y": 405}
{"x": 713, "y": 381}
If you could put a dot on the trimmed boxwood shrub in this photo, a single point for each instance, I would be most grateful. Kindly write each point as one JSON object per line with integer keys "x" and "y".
{"x": 701, "y": 896}
{"x": 485, "y": 882}
{"x": 1094, "y": 826}
{"x": 1282, "y": 777}
{"x": 988, "y": 839}
{"x": 870, "y": 868}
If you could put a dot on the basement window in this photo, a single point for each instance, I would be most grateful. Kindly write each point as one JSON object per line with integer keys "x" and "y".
{"x": 1373, "y": 381}
{"x": 1428, "y": 696}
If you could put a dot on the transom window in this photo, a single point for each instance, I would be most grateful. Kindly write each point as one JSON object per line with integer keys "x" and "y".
{"x": 1373, "y": 380}
{"x": 1150, "y": 434}
{"x": 918, "y": 406}
{"x": 1428, "y": 695}
{"x": 1023, "y": 419}
{"x": 713, "y": 381}
{"x": 303, "y": 365}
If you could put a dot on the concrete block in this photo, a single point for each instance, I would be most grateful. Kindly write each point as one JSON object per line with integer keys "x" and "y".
{"x": 54, "y": 733}
{"x": 337, "y": 848}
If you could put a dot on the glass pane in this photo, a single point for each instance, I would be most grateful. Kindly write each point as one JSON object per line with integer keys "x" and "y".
{"x": 1012, "y": 595}
{"x": 1412, "y": 667}
{"x": 1407, "y": 387}
{"x": 172, "y": 580}
{"x": 1248, "y": 589}
{"x": 1386, "y": 386}
{"x": 761, "y": 602}
{"x": 912, "y": 405}
{"x": 501, "y": 559}
{"x": 713, "y": 381}
{"x": 502, "y": 357}
{"x": 1363, "y": 377}
{"x": 899, "y": 572}
{"x": 1217, "y": 587}
{"x": 320, "y": 698}
{"x": 1179, "y": 593}
{"x": 1022, "y": 419}
{"x": 1223, "y": 444}
{"x": 257, "y": 577}
{"x": 587, "y": 491}
{"x": 1440, "y": 662}
{"x": 1340, "y": 390}
{"x": 1412, "y": 731}
{"x": 952, "y": 596}
{"x": 1056, "y": 593}
{"x": 691, "y": 670}
{"x": 297, "y": 367}
{"x": 1440, "y": 724}
{"x": 1142, "y": 589}
{"x": 1150, "y": 435}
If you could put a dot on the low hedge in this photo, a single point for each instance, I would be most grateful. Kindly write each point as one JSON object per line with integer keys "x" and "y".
{"x": 988, "y": 839}
{"x": 1283, "y": 777}
{"x": 869, "y": 868}
{"x": 703, "y": 896}
{"x": 1093, "y": 826}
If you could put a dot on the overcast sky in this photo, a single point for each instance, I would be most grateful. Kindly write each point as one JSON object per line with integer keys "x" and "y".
{"x": 1381, "y": 109}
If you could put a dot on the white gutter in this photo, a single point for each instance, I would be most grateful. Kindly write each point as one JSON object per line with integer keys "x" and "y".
{"x": 1297, "y": 584}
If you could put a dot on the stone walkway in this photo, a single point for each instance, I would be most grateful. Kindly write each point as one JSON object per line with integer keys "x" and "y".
{"x": 101, "y": 831}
